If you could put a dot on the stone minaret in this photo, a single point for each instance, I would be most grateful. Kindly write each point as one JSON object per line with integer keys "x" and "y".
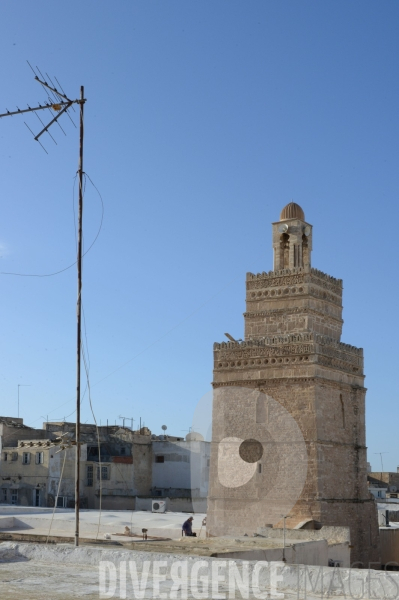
{"x": 292, "y": 239}
{"x": 293, "y": 354}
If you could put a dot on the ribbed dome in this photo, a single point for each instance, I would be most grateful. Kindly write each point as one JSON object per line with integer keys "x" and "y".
{"x": 292, "y": 211}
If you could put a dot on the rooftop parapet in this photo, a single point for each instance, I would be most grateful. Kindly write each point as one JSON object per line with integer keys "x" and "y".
{"x": 13, "y": 422}
{"x": 295, "y": 271}
{"x": 279, "y": 340}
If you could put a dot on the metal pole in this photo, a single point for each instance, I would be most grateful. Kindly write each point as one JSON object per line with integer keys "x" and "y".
{"x": 284, "y": 541}
{"x": 78, "y": 314}
{"x": 284, "y": 518}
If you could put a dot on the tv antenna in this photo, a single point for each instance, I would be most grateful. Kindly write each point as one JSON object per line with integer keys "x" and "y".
{"x": 58, "y": 102}
{"x": 230, "y": 337}
{"x": 127, "y": 419}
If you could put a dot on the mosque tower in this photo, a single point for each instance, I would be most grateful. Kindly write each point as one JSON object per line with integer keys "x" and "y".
{"x": 292, "y": 355}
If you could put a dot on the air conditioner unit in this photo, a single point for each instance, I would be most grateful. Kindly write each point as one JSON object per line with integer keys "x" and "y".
{"x": 158, "y": 506}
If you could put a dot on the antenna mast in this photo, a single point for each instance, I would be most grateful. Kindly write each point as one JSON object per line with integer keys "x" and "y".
{"x": 127, "y": 419}
{"x": 79, "y": 320}
{"x": 60, "y": 103}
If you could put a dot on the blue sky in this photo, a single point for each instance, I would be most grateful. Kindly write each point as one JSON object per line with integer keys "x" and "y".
{"x": 203, "y": 119}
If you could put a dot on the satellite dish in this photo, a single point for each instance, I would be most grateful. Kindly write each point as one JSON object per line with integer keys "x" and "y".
{"x": 283, "y": 228}
{"x": 307, "y": 230}
{"x": 164, "y": 427}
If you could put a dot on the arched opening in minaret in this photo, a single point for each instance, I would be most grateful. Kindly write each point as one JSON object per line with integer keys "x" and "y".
{"x": 284, "y": 250}
{"x": 305, "y": 251}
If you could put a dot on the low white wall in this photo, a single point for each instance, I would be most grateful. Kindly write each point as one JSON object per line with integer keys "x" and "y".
{"x": 194, "y": 505}
{"x": 261, "y": 554}
{"x": 389, "y": 539}
{"x": 310, "y": 553}
{"x": 340, "y": 552}
{"x": 331, "y": 534}
{"x": 302, "y": 580}
{"x": 305, "y": 553}
{"x": 6, "y": 509}
{"x": 6, "y": 522}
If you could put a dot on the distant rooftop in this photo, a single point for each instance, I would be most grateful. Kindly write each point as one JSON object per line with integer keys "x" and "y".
{"x": 13, "y": 422}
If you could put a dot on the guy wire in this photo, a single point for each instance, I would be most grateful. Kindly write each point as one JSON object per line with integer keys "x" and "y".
{"x": 98, "y": 437}
{"x": 58, "y": 491}
{"x": 74, "y": 263}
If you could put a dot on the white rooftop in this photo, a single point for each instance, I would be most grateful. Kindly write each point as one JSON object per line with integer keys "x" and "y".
{"x": 38, "y": 520}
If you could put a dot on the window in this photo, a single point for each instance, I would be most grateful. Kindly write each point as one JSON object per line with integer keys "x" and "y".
{"x": 259, "y": 468}
{"x": 5, "y": 455}
{"x": 26, "y": 458}
{"x": 39, "y": 458}
{"x": 14, "y": 456}
{"x": 123, "y": 451}
{"x": 62, "y": 502}
{"x": 104, "y": 473}
{"x": 89, "y": 474}
{"x": 159, "y": 459}
{"x": 4, "y": 498}
{"x": 14, "y": 496}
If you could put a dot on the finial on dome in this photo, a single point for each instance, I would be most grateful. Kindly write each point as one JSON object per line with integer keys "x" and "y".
{"x": 292, "y": 211}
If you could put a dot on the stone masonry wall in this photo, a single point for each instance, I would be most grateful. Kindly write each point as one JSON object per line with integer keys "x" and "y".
{"x": 291, "y": 301}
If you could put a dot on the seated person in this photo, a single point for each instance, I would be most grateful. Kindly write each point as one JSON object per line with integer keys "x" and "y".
{"x": 187, "y": 527}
